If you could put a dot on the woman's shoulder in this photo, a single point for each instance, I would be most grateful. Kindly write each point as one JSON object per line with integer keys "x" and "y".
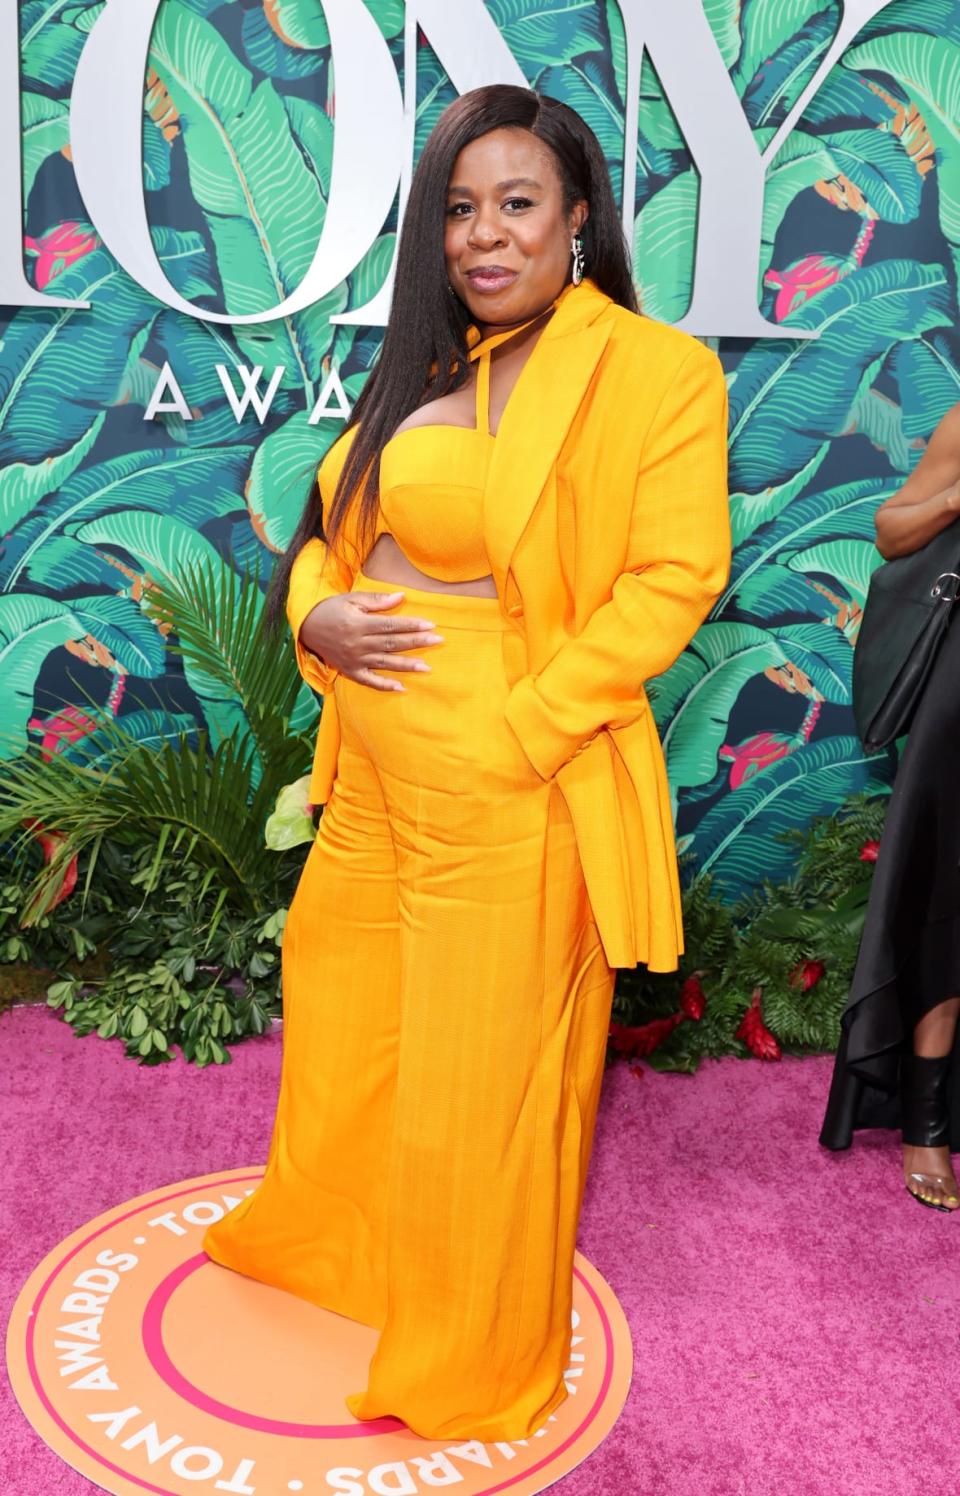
{"x": 637, "y": 339}
{"x": 649, "y": 366}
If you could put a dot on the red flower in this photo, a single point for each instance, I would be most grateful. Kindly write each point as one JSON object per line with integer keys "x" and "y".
{"x": 869, "y": 851}
{"x": 754, "y": 1032}
{"x": 643, "y": 1038}
{"x": 807, "y": 974}
{"x": 50, "y": 841}
{"x": 693, "y": 999}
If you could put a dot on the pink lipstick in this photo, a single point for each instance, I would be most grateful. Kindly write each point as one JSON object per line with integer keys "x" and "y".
{"x": 489, "y": 279}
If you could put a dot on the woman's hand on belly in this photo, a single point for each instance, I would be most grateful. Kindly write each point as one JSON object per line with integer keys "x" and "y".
{"x": 348, "y": 632}
{"x": 387, "y": 563}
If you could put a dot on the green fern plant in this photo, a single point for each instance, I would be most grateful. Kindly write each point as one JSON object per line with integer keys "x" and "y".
{"x": 112, "y": 786}
{"x": 175, "y": 887}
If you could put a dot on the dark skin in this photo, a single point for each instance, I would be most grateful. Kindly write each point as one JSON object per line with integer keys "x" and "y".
{"x": 925, "y": 505}
{"x": 505, "y": 208}
{"x": 930, "y": 498}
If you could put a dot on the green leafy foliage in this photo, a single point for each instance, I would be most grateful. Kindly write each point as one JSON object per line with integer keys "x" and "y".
{"x": 762, "y": 940}
{"x": 188, "y": 966}
{"x": 167, "y": 933}
{"x": 152, "y": 950}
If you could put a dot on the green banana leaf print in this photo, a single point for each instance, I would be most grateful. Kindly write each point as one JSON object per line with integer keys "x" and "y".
{"x": 860, "y": 244}
{"x": 738, "y": 838}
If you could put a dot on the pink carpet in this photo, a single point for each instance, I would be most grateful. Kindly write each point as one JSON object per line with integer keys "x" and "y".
{"x": 794, "y": 1314}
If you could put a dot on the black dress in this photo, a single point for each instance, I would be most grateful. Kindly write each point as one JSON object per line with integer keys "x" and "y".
{"x": 909, "y": 956}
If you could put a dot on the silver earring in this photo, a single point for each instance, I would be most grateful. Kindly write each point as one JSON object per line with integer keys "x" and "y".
{"x": 576, "y": 249}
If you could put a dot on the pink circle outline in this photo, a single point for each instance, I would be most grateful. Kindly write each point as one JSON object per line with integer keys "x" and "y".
{"x": 233, "y": 1179}
{"x": 159, "y": 1358}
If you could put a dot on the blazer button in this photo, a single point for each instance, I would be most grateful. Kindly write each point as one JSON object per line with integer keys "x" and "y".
{"x": 515, "y": 610}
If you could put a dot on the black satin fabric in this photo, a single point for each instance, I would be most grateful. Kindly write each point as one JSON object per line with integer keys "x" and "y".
{"x": 909, "y": 957}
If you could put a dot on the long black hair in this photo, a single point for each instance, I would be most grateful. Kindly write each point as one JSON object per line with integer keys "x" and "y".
{"x": 427, "y": 327}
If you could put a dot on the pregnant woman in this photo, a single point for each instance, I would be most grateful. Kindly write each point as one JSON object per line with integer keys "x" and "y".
{"x": 894, "y": 1067}
{"x": 525, "y": 519}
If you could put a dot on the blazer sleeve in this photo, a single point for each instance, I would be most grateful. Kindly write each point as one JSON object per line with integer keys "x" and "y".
{"x": 677, "y": 564}
{"x": 316, "y": 573}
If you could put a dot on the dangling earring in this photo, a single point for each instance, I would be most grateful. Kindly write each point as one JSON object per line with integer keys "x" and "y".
{"x": 576, "y": 249}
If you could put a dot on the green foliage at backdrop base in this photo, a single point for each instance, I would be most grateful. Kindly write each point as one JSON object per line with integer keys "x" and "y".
{"x": 140, "y": 867}
{"x": 185, "y": 968}
{"x": 157, "y": 962}
{"x": 784, "y": 954}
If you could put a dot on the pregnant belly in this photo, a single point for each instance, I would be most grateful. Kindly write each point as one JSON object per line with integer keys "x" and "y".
{"x": 387, "y": 563}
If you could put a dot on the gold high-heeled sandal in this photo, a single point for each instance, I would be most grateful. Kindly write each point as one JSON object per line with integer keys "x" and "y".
{"x": 925, "y": 1121}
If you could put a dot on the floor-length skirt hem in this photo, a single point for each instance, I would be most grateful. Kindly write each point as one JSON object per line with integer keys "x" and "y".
{"x": 487, "y": 1430}
{"x": 214, "y": 1245}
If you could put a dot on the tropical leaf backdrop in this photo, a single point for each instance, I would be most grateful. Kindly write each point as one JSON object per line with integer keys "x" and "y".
{"x": 861, "y": 241}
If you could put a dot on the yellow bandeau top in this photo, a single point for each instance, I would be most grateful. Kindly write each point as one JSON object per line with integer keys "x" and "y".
{"x": 432, "y": 484}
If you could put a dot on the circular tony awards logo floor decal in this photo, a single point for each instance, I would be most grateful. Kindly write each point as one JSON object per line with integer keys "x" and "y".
{"x": 148, "y": 1367}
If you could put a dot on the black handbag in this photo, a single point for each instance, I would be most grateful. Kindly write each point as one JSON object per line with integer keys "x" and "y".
{"x": 908, "y": 607}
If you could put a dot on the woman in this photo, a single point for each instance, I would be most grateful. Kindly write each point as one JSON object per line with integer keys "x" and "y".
{"x": 894, "y": 1064}
{"x": 526, "y": 519}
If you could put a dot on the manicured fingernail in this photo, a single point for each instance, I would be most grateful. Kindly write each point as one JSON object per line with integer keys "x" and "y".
{"x": 421, "y": 666}
{"x": 434, "y": 638}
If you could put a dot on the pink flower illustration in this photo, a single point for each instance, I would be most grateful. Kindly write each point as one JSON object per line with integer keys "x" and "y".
{"x": 63, "y": 727}
{"x": 61, "y": 247}
{"x": 750, "y": 758}
{"x": 802, "y": 281}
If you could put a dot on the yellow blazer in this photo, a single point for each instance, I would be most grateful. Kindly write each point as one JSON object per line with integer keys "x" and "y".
{"x": 607, "y": 528}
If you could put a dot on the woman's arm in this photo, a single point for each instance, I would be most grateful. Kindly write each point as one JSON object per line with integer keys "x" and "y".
{"x": 930, "y": 498}
{"x": 677, "y": 565}
{"x": 317, "y": 573}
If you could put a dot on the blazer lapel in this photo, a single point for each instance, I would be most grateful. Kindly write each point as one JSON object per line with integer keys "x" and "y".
{"x": 537, "y": 417}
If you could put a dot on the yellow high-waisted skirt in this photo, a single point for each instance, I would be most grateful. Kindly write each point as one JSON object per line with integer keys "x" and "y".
{"x": 446, "y": 1004}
